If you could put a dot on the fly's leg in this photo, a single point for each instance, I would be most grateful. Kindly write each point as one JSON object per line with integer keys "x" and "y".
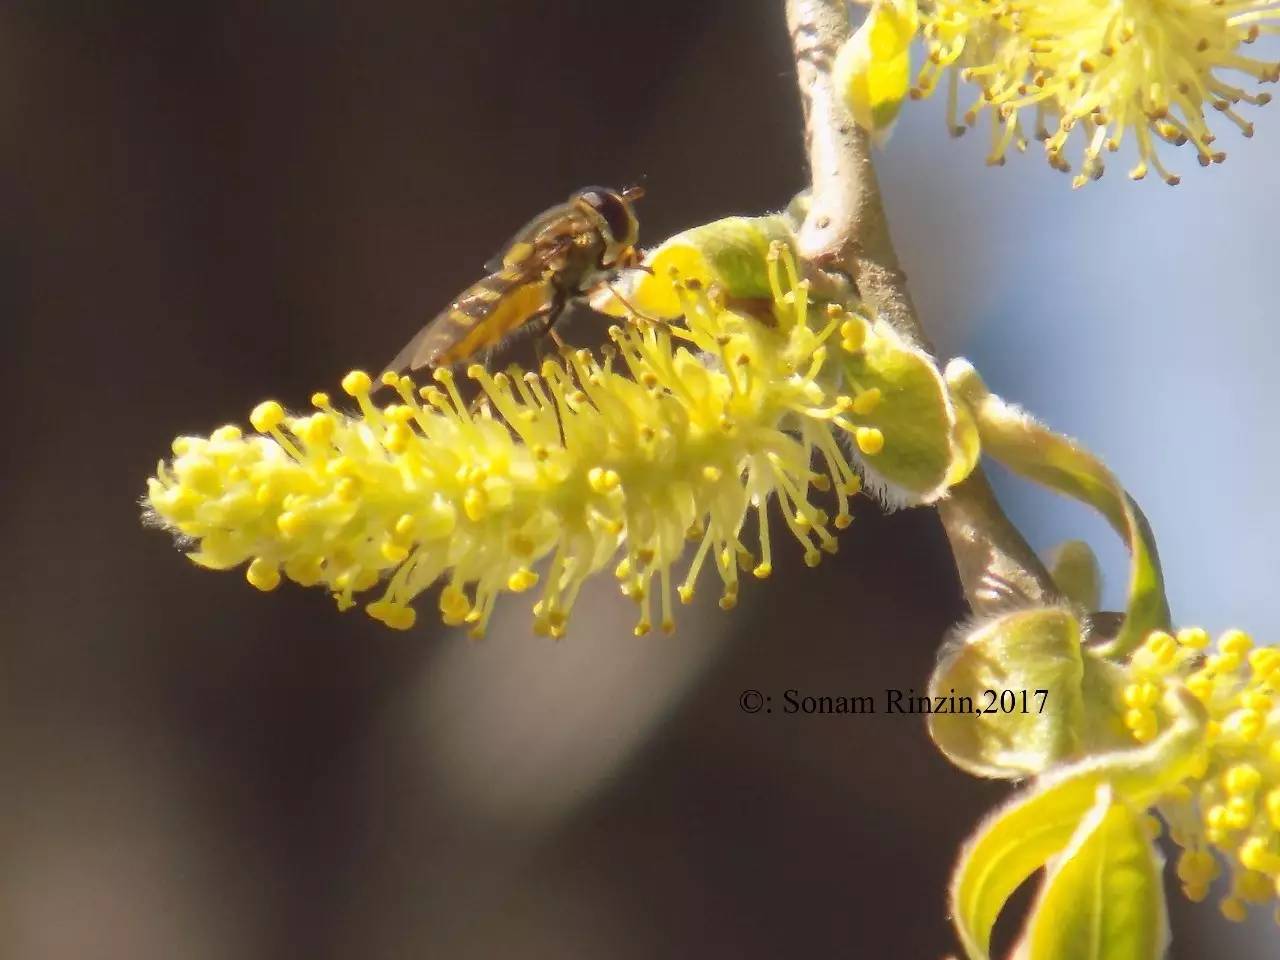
{"x": 550, "y": 316}
{"x": 636, "y": 312}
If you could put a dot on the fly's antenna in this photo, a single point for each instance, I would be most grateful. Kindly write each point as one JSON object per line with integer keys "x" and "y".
{"x": 635, "y": 191}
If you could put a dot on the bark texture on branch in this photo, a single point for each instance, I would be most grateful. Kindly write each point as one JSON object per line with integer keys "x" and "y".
{"x": 846, "y": 231}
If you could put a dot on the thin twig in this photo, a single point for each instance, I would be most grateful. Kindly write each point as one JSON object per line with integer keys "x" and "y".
{"x": 846, "y": 230}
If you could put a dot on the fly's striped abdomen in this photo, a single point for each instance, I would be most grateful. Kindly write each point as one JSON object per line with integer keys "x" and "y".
{"x": 481, "y": 316}
{"x": 487, "y": 312}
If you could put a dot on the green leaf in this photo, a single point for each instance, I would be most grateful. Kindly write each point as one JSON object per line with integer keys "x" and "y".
{"x": 1038, "y": 823}
{"x": 1027, "y": 650}
{"x": 1103, "y": 898}
{"x": 1029, "y": 448}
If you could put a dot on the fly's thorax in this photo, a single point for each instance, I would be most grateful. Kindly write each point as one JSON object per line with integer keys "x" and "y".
{"x": 583, "y": 264}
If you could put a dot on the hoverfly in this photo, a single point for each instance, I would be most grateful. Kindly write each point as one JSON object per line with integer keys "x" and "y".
{"x": 561, "y": 255}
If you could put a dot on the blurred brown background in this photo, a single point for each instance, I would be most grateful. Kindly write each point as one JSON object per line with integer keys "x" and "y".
{"x": 205, "y": 204}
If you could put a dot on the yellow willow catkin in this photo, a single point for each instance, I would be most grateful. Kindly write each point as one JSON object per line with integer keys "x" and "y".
{"x": 1230, "y": 811}
{"x": 1149, "y": 68}
{"x": 663, "y": 443}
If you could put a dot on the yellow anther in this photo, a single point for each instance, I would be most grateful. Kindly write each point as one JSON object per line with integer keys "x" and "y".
{"x": 454, "y": 605}
{"x": 870, "y": 440}
{"x": 1233, "y": 909}
{"x": 763, "y": 570}
{"x": 393, "y": 552}
{"x": 397, "y": 438}
{"x": 1223, "y": 663}
{"x": 1235, "y": 641}
{"x": 1245, "y": 724}
{"x": 1256, "y": 854}
{"x": 263, "y": 574}
{"x": 603, "y": 481}
{"x": 400, "y": 617}
{"x": 853, "y": 334}
{"x": 356, "y": 383}
{"x": 316, "y": 430}
{"x": 266, "y": 416}
{"x": 1240, "y": 813}
{"x": 1193, "y": 638}
{"x": 227, "y": 434}
{"x": 1143, "y": 694}
{"x": 1197, "y": 867}
{"x": 867, "y": 401}
{"x": 1256, "y": 700}
{"x": 1161, "y": 645}
{"x": 1255, "y": 886}
{"x": 398, "y": 413}
{"x": 1142, "y": 723}
{"x": 711, "y": 474}
{"x": 475, "y": 504}
{"x": 1200, "y": 684}
{"x": 305, "y": 571}
{"x": 522, "y": 580}
{"x": 1242, "y": 780}
{"x": 290, "y": 524}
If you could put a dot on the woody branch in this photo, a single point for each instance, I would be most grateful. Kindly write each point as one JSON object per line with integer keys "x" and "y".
{"x": 846, "y": 232}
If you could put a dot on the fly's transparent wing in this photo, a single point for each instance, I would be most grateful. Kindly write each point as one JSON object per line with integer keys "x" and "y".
{"x": 521, "y": 243}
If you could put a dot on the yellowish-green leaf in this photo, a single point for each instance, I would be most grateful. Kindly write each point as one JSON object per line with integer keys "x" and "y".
{"x": 1076, "y": 574}
{"x": 1038, "y": 823}
{"x": 966, "y": 445}
{"x": 1029, "y": 448}
{"x": 730, "y": 253}
{"x": 1103, "y": 898}
{"x": 1027, "y": 650}
{"x": 915, "y": 415}
{"x": 873, "y": 68}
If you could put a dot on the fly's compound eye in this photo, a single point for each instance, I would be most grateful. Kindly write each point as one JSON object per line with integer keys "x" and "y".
{"x": 615, "y": 211}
